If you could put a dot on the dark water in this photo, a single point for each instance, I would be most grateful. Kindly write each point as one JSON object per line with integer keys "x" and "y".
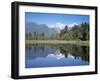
{"x": 56, "y": 55}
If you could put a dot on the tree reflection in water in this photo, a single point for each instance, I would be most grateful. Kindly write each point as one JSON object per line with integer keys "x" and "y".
{"x": 62, "y": 50}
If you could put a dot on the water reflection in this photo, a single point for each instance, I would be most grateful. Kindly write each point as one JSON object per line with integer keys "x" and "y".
{"x": 56, "y": 55}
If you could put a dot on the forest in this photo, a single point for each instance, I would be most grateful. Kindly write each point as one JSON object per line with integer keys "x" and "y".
{"x": 77, "y": 32}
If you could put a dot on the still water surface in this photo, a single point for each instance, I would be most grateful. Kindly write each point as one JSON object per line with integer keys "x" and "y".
{"x": 56, "y": 55}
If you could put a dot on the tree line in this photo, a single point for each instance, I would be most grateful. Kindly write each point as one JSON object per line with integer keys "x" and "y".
{"x": 77, "y": 32}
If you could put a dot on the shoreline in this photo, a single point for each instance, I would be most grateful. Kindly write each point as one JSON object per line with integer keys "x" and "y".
{"x": 57, "y": 42}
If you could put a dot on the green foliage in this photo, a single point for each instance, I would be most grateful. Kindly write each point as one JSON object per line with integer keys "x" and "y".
{"x": 77, "y": 32}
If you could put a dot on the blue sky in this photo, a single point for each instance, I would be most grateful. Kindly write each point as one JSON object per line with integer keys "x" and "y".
{"x": 51, "y": 19}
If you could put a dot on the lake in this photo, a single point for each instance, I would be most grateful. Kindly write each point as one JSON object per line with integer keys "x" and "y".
{"x": 48, "y": 55}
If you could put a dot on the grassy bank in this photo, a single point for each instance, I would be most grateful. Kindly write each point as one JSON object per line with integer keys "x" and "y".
{"x": 56, "y": 42}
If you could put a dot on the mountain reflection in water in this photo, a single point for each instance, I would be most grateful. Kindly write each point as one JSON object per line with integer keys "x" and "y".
{"x": 42, "y": 55}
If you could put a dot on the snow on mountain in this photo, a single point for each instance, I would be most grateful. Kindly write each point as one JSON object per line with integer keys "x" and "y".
{"x": 58, "y": 26}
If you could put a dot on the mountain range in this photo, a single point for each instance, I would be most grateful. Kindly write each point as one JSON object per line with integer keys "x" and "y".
{"x": 31, "y": 27}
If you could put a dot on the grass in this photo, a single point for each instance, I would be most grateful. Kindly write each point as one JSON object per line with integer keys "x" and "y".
{"x": 57, "y": 42}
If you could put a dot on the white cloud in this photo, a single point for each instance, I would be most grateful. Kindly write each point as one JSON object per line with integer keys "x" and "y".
{"x": 51, "y": 26}
{"x": 71, "y": 25}
{"x": 58, "y": 25}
